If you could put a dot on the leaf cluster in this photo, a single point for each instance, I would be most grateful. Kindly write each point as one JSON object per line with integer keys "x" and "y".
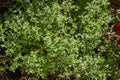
{"x": 58, "y": 38}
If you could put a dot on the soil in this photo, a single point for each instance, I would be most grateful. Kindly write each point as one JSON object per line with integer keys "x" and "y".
{"x": 115, "y": 7}
{"x": 17, "y": 75}
{"x": 5, "y": 5}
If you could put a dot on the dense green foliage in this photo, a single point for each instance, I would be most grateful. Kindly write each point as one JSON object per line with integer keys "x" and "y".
{"x": 61, "y": 38}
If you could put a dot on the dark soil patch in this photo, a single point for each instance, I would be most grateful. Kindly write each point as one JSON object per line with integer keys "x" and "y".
{"x": 5, "y": 5}
{"x": 115, "y": 7}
